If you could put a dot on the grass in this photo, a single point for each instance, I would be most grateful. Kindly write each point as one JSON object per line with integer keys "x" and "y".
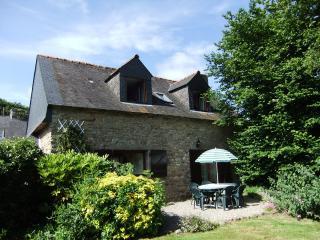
{"x": 271, "y": 226}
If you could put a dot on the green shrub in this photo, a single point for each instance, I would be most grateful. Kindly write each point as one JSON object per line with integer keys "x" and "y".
{"x": 3, "y": 234}
{"x": 111, "y": 207}
{"x": 196, "y": 224}
{"x": 62, "y": 170}
{"x": 71, "y": 138}
{"x": 51, "y": 233}
{"x": 23, "y": 199}
{"x": 297, "y": 191}
{"x": 69, "y": 224}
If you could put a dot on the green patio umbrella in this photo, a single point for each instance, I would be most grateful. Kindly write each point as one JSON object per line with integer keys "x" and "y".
{"x": 216, "y": 155}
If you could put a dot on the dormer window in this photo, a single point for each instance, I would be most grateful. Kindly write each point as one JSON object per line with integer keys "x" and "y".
{"x": 136, "y": 90}
{"x": 131, "y": 82}
{"x": 199, "y": 103}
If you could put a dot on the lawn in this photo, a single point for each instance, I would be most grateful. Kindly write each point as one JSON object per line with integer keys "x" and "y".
{"x": 271, "y": 226}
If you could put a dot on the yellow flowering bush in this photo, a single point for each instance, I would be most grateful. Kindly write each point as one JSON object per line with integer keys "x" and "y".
{"x": 112, "y": 207}
{"x": 122, "y": 207}
{"x": 109, "y": 207}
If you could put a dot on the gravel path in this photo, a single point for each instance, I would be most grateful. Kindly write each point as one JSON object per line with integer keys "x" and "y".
{"x": 174, "y": 212}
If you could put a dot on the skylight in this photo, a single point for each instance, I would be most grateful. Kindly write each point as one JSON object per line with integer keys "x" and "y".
{"x": 162, "y": 97}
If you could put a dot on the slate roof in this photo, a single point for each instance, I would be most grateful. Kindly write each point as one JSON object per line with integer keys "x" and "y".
{"x": 13, "y": 127}
{"x": 79, "y": 84}
{"x": 183, "y": 82}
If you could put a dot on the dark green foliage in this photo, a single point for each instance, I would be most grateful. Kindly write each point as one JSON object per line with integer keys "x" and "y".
{"x": 196, "y": 224}
{"x": 297, "y": 191}
{"x": 61, "y": 171}
{"x": 71, "y": 138}
{"x": 23, "y": 197}
{"x": 3, "y": 234}
{"x": 269, "y": 69}
{"x": 21, "y": 111}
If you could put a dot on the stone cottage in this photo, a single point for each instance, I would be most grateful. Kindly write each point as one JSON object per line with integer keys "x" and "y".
{"x": 155, "y": 123}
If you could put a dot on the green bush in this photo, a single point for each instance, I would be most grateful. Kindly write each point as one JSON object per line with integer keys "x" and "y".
{"x": 62, "y": 171}
{"x": 69, "y": 224}
{"x": 23, "y": 199}
{"x": 71, "y": 138}
{"x": 3, "y": 233}
{"x": 111, "y": 207}
{"x": 196, "y": 224}
{"x": 297, "y": 191}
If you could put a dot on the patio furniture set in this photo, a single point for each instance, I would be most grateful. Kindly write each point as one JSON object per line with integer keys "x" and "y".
{"x": 217, "y": 195}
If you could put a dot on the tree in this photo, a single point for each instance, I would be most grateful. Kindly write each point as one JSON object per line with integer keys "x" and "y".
{"x": 21, "y": 111}
{"x": 268, "y": 66}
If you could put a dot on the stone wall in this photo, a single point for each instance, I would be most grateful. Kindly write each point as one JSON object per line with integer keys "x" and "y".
{"x": 107, "y": 130}
{"x": 45, "y": 140}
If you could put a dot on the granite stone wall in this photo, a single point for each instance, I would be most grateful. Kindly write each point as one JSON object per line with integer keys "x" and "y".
{"x": 107, "y": 130}
{"x": 45, "y": 141}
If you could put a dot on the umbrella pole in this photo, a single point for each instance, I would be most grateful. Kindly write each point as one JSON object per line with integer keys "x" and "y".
{"x": 217, "y": 172}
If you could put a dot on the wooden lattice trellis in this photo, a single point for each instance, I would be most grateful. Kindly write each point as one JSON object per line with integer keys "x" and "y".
{"x": 64, "y": 124}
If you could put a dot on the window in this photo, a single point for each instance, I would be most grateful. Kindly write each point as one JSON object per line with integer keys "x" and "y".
{"x": 2, "y": 134}
{"x": 162, "y": 97}
{"x": 199, "y": 103}
{"x": 159, "y": 163}
{"x": 134, "y": 157}
{"x": 136, "y": 90}
{"x": 156, "y": 161}
{"x": 137, "y": 160}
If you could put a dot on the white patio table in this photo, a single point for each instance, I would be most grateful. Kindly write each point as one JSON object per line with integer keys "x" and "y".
{"x": 215, "y": 186}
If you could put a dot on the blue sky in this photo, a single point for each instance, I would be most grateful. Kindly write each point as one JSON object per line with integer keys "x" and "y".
{"x": 170, "y": 36}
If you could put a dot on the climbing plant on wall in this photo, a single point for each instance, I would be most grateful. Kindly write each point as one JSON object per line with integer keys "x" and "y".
{"x": 69, "y": 136}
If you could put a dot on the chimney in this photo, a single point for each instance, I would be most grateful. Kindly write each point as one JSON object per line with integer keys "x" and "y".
{"x": 11, "y": 113}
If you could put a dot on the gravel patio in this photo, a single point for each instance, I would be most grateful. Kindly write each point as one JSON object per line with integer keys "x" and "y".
{"x": 177, "y": 210}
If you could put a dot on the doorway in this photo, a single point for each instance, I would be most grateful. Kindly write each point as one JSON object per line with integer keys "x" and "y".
{"x": 195, "y": 168}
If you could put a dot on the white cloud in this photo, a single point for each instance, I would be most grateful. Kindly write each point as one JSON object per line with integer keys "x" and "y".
{"x": 115, "y": 33}
{"x": 184, "y": 62}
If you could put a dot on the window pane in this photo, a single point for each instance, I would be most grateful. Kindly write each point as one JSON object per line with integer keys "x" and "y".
{"x": 159, "y": 163}
{"x": 137, "y": 160}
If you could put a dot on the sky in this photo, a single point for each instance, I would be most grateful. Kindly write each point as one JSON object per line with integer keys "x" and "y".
{"x": 170, "y": 36}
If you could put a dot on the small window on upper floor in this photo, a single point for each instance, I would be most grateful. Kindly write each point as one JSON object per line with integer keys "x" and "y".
{"x": 136, "y": 91}
{"x": 199, "y": 103}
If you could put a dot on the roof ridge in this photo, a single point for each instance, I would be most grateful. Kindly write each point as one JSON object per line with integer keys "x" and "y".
{"x": 77, "y": 62}
{"x": 118, "y": 69}
{"x": 182, "y": 82}
{"x": 166, "y": 79}
{"x": 189, "y": 76}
